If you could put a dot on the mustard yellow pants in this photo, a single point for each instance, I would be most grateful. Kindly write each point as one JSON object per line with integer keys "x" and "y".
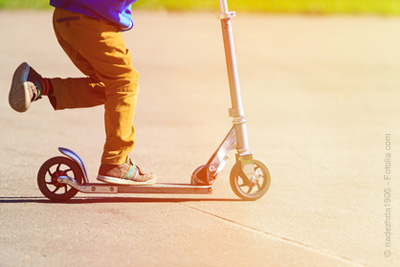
{"x": 97, "y": 49}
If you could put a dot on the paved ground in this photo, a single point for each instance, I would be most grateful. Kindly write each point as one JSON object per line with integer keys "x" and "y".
{"x": 321, "y": 99}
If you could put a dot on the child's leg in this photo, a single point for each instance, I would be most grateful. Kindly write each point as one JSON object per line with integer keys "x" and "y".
{"x": 97, "y": 48}
{"x": 76, "y": 92}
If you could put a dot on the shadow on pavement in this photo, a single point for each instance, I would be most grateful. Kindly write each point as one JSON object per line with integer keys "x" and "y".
{"x": 93, "y": 200}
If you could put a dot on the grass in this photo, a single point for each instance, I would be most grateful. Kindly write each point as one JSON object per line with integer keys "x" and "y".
{"x": 24, "y": 4}
{"x": 379, "y": 7}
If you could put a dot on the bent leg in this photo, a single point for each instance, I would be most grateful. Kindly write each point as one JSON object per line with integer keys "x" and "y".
{"x": 76, "y": 93}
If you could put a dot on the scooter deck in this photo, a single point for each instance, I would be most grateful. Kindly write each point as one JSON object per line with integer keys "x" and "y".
{"x": 161, "y": 188}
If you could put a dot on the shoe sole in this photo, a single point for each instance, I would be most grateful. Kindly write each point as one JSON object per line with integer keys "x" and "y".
{"x": 19, "y": 97}
{"x": 113, "y": 180}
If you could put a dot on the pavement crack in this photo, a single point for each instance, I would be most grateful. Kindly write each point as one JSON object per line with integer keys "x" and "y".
{"x": 270, "y": 235}
{"x": 305, "y": 158}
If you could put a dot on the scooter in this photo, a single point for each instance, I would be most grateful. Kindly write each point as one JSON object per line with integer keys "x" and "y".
{"x": 61, "y": 178}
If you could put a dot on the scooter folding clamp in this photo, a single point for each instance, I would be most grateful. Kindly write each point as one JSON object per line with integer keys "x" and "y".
{"x": 228, "y": 15}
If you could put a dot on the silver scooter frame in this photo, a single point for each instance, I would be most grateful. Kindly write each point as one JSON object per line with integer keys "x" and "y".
{"x": 204, "y": 176}
{"x": 87, "y": 187}
{"x": 237, "y": 136}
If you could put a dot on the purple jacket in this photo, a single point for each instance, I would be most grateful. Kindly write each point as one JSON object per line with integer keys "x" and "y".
{"x": 116, "y": 11}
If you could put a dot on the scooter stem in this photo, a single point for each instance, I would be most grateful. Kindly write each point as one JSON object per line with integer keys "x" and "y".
{"x": 236, "y": 112}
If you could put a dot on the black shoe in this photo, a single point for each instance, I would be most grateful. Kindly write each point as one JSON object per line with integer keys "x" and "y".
{"x": 25, "y": 88}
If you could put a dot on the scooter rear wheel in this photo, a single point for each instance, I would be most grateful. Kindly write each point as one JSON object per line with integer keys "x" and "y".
{"x": 50, "y": 171}
{"x": 250, "y": 189}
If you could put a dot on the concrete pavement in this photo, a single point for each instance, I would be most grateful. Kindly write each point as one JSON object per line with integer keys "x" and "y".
{"x": 321, "y": 99}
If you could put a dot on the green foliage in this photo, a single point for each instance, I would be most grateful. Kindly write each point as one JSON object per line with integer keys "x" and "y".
{"x": 24, "y": 4}
{"x": 381, "y": 7}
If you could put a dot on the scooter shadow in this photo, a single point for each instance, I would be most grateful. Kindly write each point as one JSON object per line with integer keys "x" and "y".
{"x": 95, "y": 200}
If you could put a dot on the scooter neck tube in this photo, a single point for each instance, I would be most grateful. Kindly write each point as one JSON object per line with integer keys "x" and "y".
{"x": 226, "y": 25}
{"x": 224, "y": 6}
{"x": 233, "y": 76}
{"x": 237, "y": 108}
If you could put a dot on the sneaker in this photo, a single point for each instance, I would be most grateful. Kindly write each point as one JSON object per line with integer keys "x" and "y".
{"x": 125, "y": 174}
{"x": 25, "y": 88}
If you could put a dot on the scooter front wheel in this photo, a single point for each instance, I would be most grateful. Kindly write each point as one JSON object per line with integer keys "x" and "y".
{"x": 250, "y": 188}
{"x": 49, "y": 173}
